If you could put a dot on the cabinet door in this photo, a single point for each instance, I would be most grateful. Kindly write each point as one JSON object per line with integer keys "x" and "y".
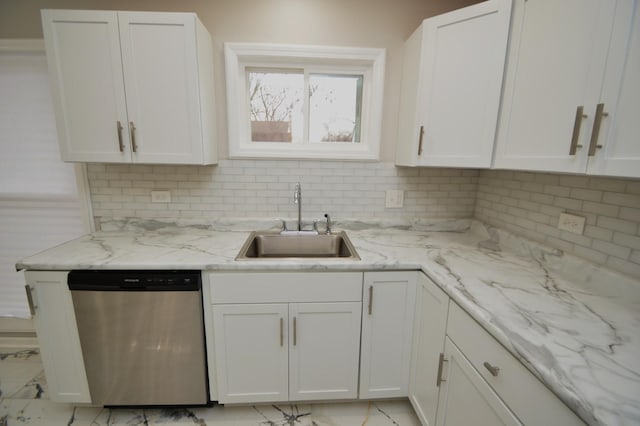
{"x": 83, "y": 55}
{"x": 466, "y": 399}
{"x": 556, "y": 63}
{"x": 160, "y": 64}
{"x": 464, "y": 55}
{"x": 55, "y": 323}
{"x": 387, "y": 330}
{"x": 251, "y": 352}
{"x": 432, "y": 307}
{"x": 618, "y": 135}
{"x": 324, "y": 350}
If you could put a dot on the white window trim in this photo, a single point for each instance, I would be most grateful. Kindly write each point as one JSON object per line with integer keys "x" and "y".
{"x": 370, "y": 61}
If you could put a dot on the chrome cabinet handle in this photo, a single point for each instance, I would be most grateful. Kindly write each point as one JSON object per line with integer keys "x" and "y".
{"x": 370, "y": 299}
{"x": 493, "y": 370}
{"x": 132, "y": 129}
{"x": 295, "y": 331}
{"x": 281, "y": 331}
{"x": 441, "y": 361}
{"x": 120, "y": 144}
{"x": 32, "y": 307}
{"x": 420, "y": 140}
{"x": 595, "y": 132}
{"x": 577, "y": 124}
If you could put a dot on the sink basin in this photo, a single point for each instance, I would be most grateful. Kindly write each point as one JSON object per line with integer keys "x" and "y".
{"x": 270, "y": 245}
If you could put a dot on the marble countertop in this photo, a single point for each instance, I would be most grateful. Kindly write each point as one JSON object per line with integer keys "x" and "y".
{"x": 572, "y": 324}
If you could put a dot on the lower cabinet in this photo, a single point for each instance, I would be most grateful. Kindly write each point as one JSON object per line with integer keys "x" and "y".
{"x": 461, "y": 375}
{"x": 251, "y": 346}
{"x": 432, "y": 307}
{"x": 473, "y": 353}
{"x": 55, "y": 323}
{"x": 324, "y": 350}
{"x": 465, "y": 398}
{"x": 296, "y": 340}
{"x": 282, "y": 352}
{"x": 387, "y": 333}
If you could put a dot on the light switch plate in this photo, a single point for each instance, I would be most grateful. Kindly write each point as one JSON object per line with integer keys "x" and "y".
{"x": 571, "y": 223}
{"x": 160, "y": 196}
{"x": 394, "y": 198}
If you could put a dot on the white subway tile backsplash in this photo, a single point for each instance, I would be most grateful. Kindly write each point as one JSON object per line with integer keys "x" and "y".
{"x": 620, "y": 225}
{"x": 525, "y": 203}
{"x": 611, "y": 207}
{"x": 246, "y": 188}
{"x": 622, "y": 199}
{"x": 627, "y": 240}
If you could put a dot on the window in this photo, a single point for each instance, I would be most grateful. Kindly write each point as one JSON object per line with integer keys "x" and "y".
{"x": 304, "y": 101}
{"x": 40, "y": 203}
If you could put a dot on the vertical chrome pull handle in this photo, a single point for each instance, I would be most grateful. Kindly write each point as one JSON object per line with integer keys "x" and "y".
{"x": 295, "y": 331}
{"x": 32, "y": 307}
{"x": 577, "y": 124}
{"x": 493, "y": 370}
{"x": 441, "y": 361}
{"x": 132, "y": 129}
{"x": 281, "y": 331}
{"x": 420, "y": 137}
{"x": 120, "y": 144}
{"x": 370, "y": 299}
{"x": 595, "y": 132}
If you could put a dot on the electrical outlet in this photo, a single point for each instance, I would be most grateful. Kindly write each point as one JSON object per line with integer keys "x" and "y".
{"x": 571, "y": 223}
{"x": 160, "y": 196}
{"x": 394, "y": 198}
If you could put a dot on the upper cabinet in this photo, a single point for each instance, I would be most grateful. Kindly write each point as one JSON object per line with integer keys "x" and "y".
{"x": 131, "y": 86}
{"x": 452, "y": 80}
{"x": 572, "y": 88}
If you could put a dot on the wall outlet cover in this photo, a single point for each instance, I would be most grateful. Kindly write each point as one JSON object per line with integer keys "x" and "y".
{"x": 394, "y": 198}
{"x": 571, "y": 223}
{"x": 160, "y": 196}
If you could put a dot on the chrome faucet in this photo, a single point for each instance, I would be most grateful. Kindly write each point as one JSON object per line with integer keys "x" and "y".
{"x": 297, "y": 199}
{"x": 329, "y": 224}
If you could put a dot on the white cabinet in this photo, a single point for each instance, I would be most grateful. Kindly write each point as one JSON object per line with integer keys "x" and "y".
{"x": 131, "y": 86}
{"x": 251, "y": 346}
{"x": 456, "y": 363}
{"x": 466, "y": 399}
{"x": 620, "y": 152}
{"x": 296, "y": 339}
{"x": 451, "y": 86}
{"x": 387, "y": 332}
{"x": 432, "y": 306}
{"x": 55, "y": 323}
{"x": 571, "y": 88}
{"x": 492, "y": 385}
{"x": 323, "y": 350}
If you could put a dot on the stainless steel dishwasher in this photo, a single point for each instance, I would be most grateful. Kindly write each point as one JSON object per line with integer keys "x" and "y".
{"x": 142, "y": 336}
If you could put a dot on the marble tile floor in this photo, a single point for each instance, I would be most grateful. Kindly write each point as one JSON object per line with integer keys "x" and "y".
{"x": 24, "y": 401}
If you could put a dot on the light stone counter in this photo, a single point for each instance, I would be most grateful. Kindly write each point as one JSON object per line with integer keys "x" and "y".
{"x": 574, "y": 325}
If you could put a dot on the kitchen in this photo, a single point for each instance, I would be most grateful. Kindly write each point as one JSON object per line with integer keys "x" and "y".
{"x": 524, "y": 203}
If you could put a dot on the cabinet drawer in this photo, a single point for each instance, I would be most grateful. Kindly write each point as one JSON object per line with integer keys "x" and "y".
{"x": 265, "y": 287}
{"x": 518, "y": 387}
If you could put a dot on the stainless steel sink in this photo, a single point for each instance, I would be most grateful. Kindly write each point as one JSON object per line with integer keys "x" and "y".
{"x": 271, "y": 245}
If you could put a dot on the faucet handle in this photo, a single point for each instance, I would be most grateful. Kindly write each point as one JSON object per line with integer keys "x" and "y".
{"x": 328, "y": 226}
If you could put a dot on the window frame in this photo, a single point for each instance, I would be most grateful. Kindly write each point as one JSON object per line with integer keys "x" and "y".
{"x": 369, "y": 62}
